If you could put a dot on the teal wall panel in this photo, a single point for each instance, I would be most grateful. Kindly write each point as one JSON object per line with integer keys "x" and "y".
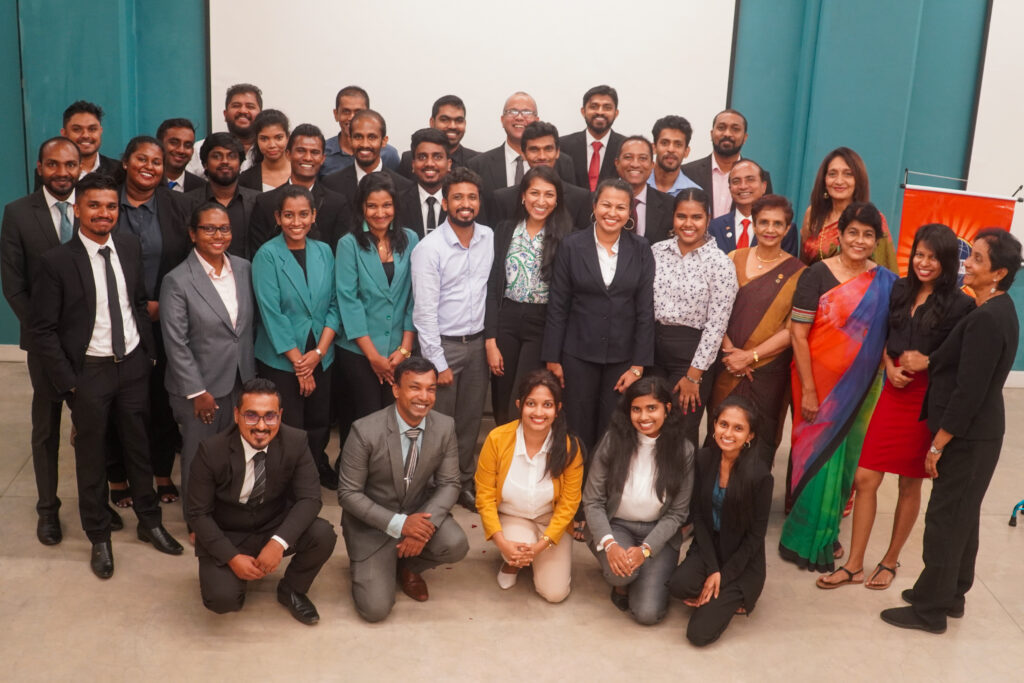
{"x": 13, "y": 182}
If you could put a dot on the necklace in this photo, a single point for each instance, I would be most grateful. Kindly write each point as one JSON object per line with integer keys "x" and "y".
{"x": 760, "y": 266}
{"x": 850, "y": 269}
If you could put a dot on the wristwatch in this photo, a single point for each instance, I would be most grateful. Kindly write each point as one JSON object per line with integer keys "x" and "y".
{"x": 646, "y": 549}
{"x": 935, "y": 451}
{"x": 636, "y": 372}
{"x": 404, "y": 351}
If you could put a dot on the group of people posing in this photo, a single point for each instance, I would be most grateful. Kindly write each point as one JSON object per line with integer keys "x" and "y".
{"x": 620, "y": 299}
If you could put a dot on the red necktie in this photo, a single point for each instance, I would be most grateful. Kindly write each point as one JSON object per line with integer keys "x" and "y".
{"x": 595, "y": 165}
{"x": 742, "y": 240}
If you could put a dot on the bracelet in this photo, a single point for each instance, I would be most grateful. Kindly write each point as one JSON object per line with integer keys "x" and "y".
{"x": 404, "y": 351}
{"x": 692, "y": 380}
{"x": 636, "y": 372}
{"x": 609, "y": 544}
{"x": 318, "y": 352}
{"x": 547, "y": 538}
{"x": 756, "y": 359}
{"x": 935, "y": 451}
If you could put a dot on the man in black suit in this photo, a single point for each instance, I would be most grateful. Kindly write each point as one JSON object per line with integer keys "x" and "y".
{"x": 221, "y": 155}
{"x": 83, "y": 126}
{"x": 33, "y": 225}
{"x": 253, "y": 497}
{"x": 540, "y": 144}
{"x": 671, "y": 147}
{"x": 242, "y": 104}
{"x": 333, "y": 212}
{"x": 178, "y": 138}
{"x": 448, "y": 115}
{"x": 593, "y": 149}
{"x": 505, "y": 165}
{"x": 748, "y": 182}
{"x": 430, "y": 166}
{"x": 91, "y": 329}
{"x": 652, "y": 210}
{"x": 728, "y": 134}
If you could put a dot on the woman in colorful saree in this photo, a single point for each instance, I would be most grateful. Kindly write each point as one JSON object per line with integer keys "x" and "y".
{"x": 756, "y": 348}
{"x": 839, "y": 325}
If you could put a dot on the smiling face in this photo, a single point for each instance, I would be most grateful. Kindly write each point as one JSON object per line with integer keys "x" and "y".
{"x": 648, "y": 415}
{"x": 519, "y": 111}
{"x": 144, "y": 168}
{"x": 978, "y": 273}
{"x": 430, "y": 165}
{"x": 84, "y": 130}
{"x": 367, "y": 141}
{"x": 690, "y": 224}
{"x": 728, "y": 134}
{"x": 540, "y": 199}
{"x": 634, "y": 163}
{"x": 600, "y": 113}
{"x": 265, "y": 406}
{"x": 212, "y": 235}
{"x": 839, "y": 180}
{"x": 296, "y": 219}
{"x": 770, "y": 226}
{"x": 926, "y": 263}
{"x": 732, "y": 430}
{"x": 415, "y": 394}
{"x": 379, "y": 210}
{"x": 542, "y": 151}
{"x": 306, "y": 156}
{"x": 857, "y": 242}
{"x": 179, "y": 144}
{"x": 451, "y": 121}
{"x": 671, "y": 148}
{"x": 96, "y": 211}
{"x": 348, "y": 106}
{"x": 538, "y": 411}
{"x": 462, "y": 204}
{"x": 59, "y": 168}
{"x": 611, "y": 210}
{"x": 239, "y": 115}
{"x": 222, "y": 166}
{"x": 272, "y": 141}
{"x": 745, "y": 185}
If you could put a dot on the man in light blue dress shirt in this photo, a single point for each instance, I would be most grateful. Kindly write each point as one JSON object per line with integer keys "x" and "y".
{"x": 671, "y": 147}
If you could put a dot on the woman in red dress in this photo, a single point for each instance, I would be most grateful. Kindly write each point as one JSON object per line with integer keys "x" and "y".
{"x": 923, "y": 309}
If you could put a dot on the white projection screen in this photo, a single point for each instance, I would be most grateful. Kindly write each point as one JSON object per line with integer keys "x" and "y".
{"x": 663, "y": 57}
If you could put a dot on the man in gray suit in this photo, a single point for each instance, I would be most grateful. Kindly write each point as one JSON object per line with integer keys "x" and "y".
{"x": 399, "y": 480}
{"x": 206, "y": 313}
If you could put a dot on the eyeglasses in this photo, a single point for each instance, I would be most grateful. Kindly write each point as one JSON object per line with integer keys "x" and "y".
{"x": 210, "y": 229}
{"x": 519, "y": 112}
{"x": 252, "y": 418}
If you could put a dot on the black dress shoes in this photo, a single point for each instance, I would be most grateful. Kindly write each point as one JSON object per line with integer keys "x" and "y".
{"x": 48, "y": 529}
{"x": 102, "y": 561}
{"x": 298, "y": 604}
{"x": 905, "y": 617}
{"x": 160, "y": 539}
{"x": 953, "y": 612}
{"x": 467, "y": 499}
{"x": 328, "y": 477}
{"x": 116, "y": 523}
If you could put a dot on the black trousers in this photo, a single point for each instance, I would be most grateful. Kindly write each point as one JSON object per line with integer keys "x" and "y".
{"x": 311, "y": 413}
{"x": 951, "y": 526}
{"x": 361, "y": 394}
{"x": 590, "y": 396}
{"x": 709, "y": 621}
{"x": 674, "y": 346}
{"x": 117, "y": 394}
{"x": 519, "y": 338}
{"x": 222, "y": 591}
{"x": 45, "y": 436}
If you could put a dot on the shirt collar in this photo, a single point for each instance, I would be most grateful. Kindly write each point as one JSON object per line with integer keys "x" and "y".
{"x": 510, "y": 154}
{"x": 740, "y": 217}
{"x": 520, "y": 447}
{"x": 250, "y": 451}
{"x": 591, "y": 139}
{"x": 51, "y": 200}
{"x": 452, "y": 239}
{"x": 360, "y": 172}
{"x": 642, "y": 197}
{"x": 211, "y": 271}
{"x": 210, "y": 196}
{"x": 92, "y": 248}
{"x": 715, "y": 168}
{"x": 149, "y": 204}
{"x": 615, "y": 247}
{"x": 424, "y": 195}
{"x": 404, "y": 426}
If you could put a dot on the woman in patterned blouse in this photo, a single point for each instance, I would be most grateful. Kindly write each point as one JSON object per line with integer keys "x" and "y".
{"x": 517, "y": 291}
{"x": 694, "y": 287}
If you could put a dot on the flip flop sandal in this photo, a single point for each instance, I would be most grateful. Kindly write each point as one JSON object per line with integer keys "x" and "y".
{"x": 878, "y": 570}
{"x": 822, "y": 583}
{"x": 577, "y": 528}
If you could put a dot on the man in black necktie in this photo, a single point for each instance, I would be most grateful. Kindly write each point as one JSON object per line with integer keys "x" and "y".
{"x": 253, "y": 497}
{"x": 430, "y": 166}
{"x": 92, "y": 332}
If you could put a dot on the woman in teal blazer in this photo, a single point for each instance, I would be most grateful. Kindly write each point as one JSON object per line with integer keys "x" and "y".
{"x": 374, "y": 286}
{"x": 293, "y": 279}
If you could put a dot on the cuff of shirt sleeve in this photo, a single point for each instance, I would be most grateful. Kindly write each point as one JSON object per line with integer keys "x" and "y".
{"x": 198, "y": 393}
{"x": 284, "y": 543}
{"x": 395, "y": 526}
{"x": 604, "y": 541}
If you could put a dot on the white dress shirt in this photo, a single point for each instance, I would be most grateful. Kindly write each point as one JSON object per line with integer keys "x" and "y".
{"x": 640, "y": 502}
{"x": 607, "y": 262}
{"x": 179, "y": 183}
{"x": 425, "y": 207}
{"x": 528, "y": 491}
{"x": 738, "y": 219}
{"x": 224, "y": 284}
{"x": 249, "y": 480}
{"x": 641, "y": 211}
{"x": 100, "y": 344}
{"x": 510, "y": 165}
{"x": 590, "y": 148}
{"x": 360, "y": 172}
{"x": 51, "y": 204}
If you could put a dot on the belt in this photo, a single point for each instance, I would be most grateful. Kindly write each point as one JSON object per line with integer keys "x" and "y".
{"x": 462, "y": 338}
{"x": 101, "y": 360}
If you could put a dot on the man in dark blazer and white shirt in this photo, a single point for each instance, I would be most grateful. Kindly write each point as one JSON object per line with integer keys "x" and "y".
{"x": 652, "y": 210}
{"x": 748, "y": 182}
{"x": 600, "y": 109}
{"x": 92, "y": 331}
{"x": 399, "y": 479}
{"x": 448, "y": 115}
{"x": 430, "y": 165}
{"x": 253, "y": 497}
{"x": 178, "y": 139}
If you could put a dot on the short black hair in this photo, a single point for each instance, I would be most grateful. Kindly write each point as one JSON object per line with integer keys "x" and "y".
{"x": 240, "y": 88}
{"x": 461, "y": 174}
{"x": 290, "y": 191}
{"x": 83, "y": 107}
{"x": 60, "y": 139}
{"x": 446, "y": 100}
{"x": 730, "y": 111}
{"x": 94, "y": 181}
{"x": 173, "y": 123}
{"x": 636, "y": 138}
{"x": 258, "y": 385}
{"x": 306, "y": 130}
{"x": 225, "y": 140}
{"x": 432, "y": 135}
{"x": 862, "y": 212}
{"x": 208, "y": 205}
{"x": 369, "y": 114}
{"x": 349, "y": 91}
{"x": 1004, "y": 251}
{"x": 270, "y": 117}
{"x": 673, "y": 122}
{"x": 539, "y": 129}
{"x": 602, "y": 90}
{"x": 139, "y": 141}
{"x": 417, "y": 365}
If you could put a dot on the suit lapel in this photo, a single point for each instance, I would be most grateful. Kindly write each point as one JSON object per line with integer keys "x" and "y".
{"x": 395, "y": 454}
{"x": 205, "y": 289}
{"x": 81, "y": 259}
{"x": 236, "y": 461}
{"x": 425, "y": 467}
{"x": 243, "y": 290}
{"x": 374, "y": 268}
{"x": 624, "y": 263}
{"x": 293, "y": 271}
{"x": 42, "y": 213}
{"x": 590, "y": 262}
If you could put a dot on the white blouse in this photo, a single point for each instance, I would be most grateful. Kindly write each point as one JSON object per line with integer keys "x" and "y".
{"x": 528, "y": 491}
{"x": 640, "y": 502}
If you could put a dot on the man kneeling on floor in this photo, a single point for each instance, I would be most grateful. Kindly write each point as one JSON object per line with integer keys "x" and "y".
{"x": 399, "y": 480}
{"x": 253, "y": 497}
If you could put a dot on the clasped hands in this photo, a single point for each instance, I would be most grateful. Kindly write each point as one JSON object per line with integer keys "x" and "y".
{"x": 250, "y": 568}
{"x": 738, "y": 362}
{"x": 624, "y": 561}
{"x": 304, "y": 367}
{"x": 517, "y": 553}
{"x": 416, "y": 532}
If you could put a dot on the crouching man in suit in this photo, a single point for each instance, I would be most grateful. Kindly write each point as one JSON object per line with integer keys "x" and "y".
{"x": 399, "y": 480}
{"x": 253, "y": 497}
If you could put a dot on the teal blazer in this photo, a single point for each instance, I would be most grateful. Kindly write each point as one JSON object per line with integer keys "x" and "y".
{"x": 369, "y": 305}
{"x": 290, "y": 308}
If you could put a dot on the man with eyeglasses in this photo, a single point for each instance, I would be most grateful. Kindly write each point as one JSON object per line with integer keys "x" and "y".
{"x": 254, "y": 497}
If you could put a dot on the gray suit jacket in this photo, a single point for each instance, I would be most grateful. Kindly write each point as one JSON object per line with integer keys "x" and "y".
{"x": 600, "y": 505}
{"x": 204, "y": 351}
{"x": 372, "y": 489}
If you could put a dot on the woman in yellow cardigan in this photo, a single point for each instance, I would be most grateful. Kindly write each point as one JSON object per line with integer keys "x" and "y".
{"x": 528, "y": 484}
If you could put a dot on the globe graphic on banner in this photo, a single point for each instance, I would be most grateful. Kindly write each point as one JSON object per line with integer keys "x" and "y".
{"x": 965, "y": 251}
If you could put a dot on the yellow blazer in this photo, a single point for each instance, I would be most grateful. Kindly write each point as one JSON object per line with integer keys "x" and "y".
{"x": 492, "y": 468}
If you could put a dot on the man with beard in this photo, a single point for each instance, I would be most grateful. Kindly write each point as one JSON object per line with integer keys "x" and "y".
{"x": 450, "y": 267}
{"x": 448, "y": 115}
{"x": 430, "y": 166}
{"x": 735, "y": 229}
{"x": 652, "y": 210}
{"x": 83, "y": 126}
{"x": 178, "y": 138}
{"x": 593, "y": 149}
{"x": 221, "y": 156}
{"x": 338, "y": 150}
{"x": 242, "y": 103}
{"x": 728, "y": 133}
{"x": 333, "y": 212}
{"x": 671, "y": 147}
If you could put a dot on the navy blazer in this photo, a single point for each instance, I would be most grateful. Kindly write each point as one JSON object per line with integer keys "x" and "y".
{"x": 595, "y": 323}
{"x": 723, "y": 229}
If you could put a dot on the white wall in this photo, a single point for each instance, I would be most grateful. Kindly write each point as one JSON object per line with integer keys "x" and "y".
{"x": 663, "y": 57}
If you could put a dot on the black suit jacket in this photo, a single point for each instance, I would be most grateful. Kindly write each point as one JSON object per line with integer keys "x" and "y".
{"x": 491, "y": 167}
{"x": 501, "y": 206}
{"x": 699, "y": 171}
{"x": 334, "y": 218}
{"x": 344, "y": 182}
{"x": 64, "y": 307}
{"x": 739, "y": 555}
{"x": 189, "y": 182}
{"x": 26, "y": 234}
{"x": 239, "y": 233}
{"x": 967, "y": 372}
{"x": 459, "y": 158}
{"x": 171, "y": 213}
{"x": 575, "y": 145}
{"x": 409, "y": 200}
{"x": 290, "y": 504}
{"x": 660, "y": 206}
{"x": 595, "y": 323}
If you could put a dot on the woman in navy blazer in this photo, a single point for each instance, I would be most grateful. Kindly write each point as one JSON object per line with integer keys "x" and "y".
{"x": 293, "y": 279}
{"x": 374, "y": 286}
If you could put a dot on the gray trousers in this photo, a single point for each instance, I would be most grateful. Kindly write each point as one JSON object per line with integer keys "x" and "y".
{"x": 194, "y": 430}
{"x": 463, "y": 399}
{"x": 648, "y": 586}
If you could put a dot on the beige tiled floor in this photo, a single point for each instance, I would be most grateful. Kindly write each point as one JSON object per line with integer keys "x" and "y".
{"x": 61, "y": 623}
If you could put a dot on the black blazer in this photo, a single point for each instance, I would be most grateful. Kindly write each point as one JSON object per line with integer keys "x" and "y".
{"x": 575, "y": 145}
{"x": 595, "y": 323}
{"x": 660, "y": 207}
{"x": 699, "y": 171}
{"x": 739, "y": 553}
{"x": 290, "y": 504}
{"x": 501, "y": 206}
{"x": 344, "y": 182}
{"x": 171, "y": 213}
{"x": 64, "y": 307}
{"x": 27, "y": 233}
{"x": 189, "y": 182}
{"x": 239, "y": 233}
{"x": 334, "y": 218}
{"x": 409, "y": 200}
{"x": 491, "y": 167}
{"x": 967, "y": 372}
{"x": 252, "y": 178}
{"x": 459, "y": 158}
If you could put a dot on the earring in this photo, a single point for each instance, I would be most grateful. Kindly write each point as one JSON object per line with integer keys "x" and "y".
{"x": 593, "y": 219}
{"x": 992, "y": 291}
{"x": 746, "y": 444}
{"x": 824, "y": 195}
{"x": 630, "y": 225}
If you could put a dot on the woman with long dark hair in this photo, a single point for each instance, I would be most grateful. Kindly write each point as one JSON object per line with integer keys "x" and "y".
{"x": 724, "y": 569}
{"x": 270, "y": 167}
{"x": 518, "y": 288}
{"x": 924, "y": 307}
{"x": 528, "y": 481}
{"x": 637, "y": 495}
